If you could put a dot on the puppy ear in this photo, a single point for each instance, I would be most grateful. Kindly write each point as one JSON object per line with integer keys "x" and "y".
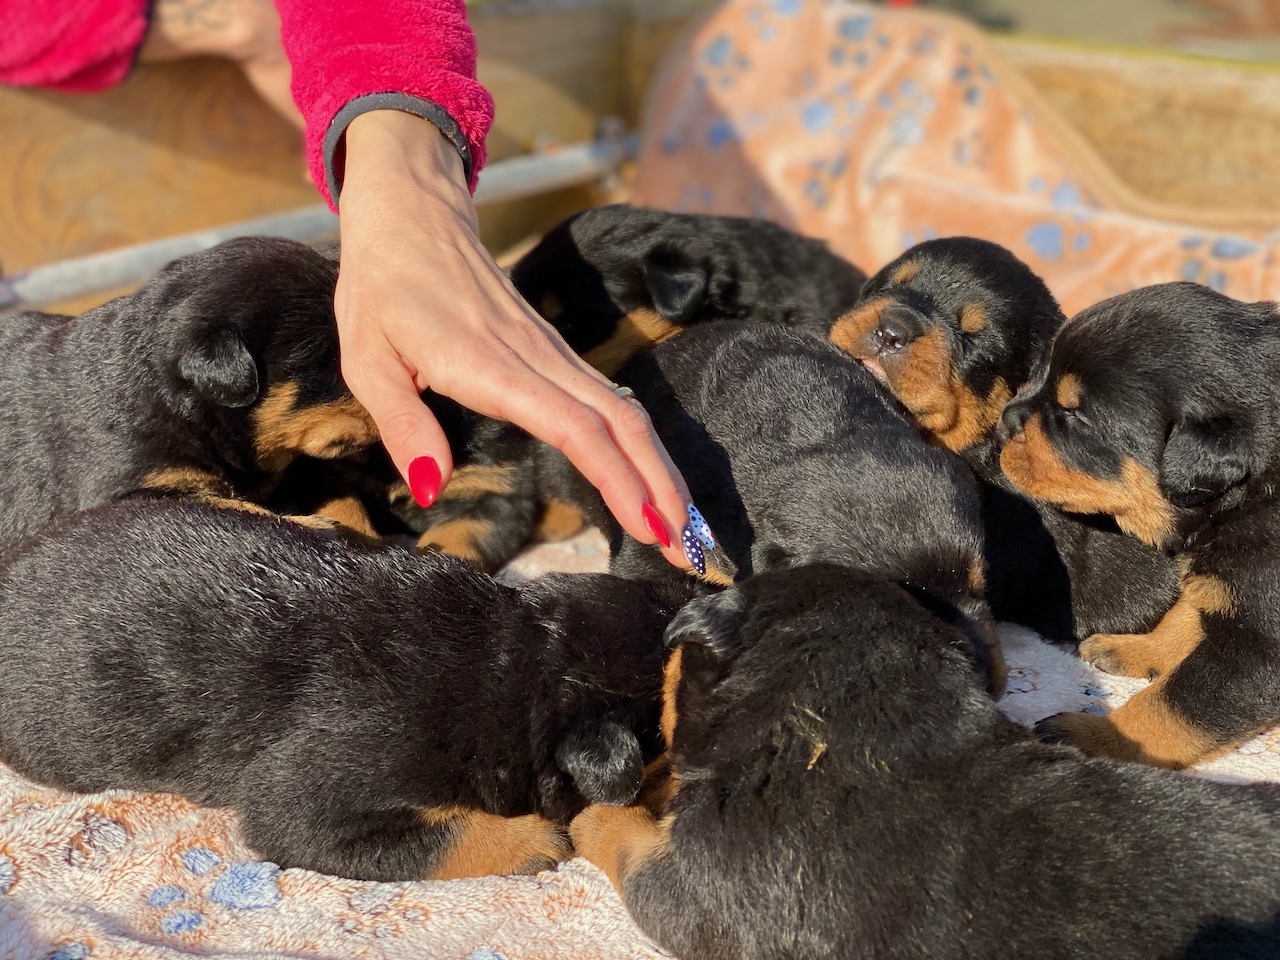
{"x": 677, "y": 285}
{"x": 712, "y": 622}
{"x": 220, "y": 366}
{"x": 603, "y": 759}
{"x": 1205, "y": 457}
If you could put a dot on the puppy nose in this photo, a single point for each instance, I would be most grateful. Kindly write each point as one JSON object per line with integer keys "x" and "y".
{"x": 1012, "y": 421}
{"x": 898, "y": 326}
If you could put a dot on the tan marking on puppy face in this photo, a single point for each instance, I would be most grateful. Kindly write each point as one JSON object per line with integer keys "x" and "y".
{"x": 559, "y": 521}
{"x": 463, "y": 538}
{"x": 907, "y": 271}
{"x": 852, "y": 332}
{"x": 486, "y": 845}
{"x": 670, "y": 694}
{"x": 973, "y": 317}
{"x": 283, "y": 430}
{"x": 551, "y": 308}
{"x": 1068, "y": 392}
{"x": 188, "y": 480}
{"x": 923, "y": 377}
{"x": 636, "y": 331}
{"x": 1034, "y": 465}
{"x": 1170, "y": 641}
{"x": 619, "y": 840}
{"x": 1146, "y": 729}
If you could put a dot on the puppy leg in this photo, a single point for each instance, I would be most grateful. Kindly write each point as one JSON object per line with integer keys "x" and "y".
{"x": 1171, "y": 640}
{"x": 619, "y": 840}
{"x": 1147, "y": 729}
{"x": 406, "y": 844}
{"x": 483, "y": 844}
{"x": 348, "y": 512}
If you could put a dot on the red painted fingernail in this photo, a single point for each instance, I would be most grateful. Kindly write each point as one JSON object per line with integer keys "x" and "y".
{"x": 655, "y": 524}
{"x": 424, "y": 481}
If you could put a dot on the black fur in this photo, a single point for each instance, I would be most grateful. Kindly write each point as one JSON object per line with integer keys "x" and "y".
{"x": 1065, "y": 575}
{"x": 326, "y": 691}
{"x": 846, "y": 790}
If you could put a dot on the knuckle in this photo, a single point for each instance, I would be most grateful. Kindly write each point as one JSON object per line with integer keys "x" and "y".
{"x": 631, "y": 419}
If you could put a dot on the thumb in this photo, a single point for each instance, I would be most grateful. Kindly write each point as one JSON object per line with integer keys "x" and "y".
{"x": 409, "y": 431}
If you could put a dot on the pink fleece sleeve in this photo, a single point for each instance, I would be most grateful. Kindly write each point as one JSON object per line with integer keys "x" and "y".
{"x": 82, "y": 46}
{"x": 353, "y": 55}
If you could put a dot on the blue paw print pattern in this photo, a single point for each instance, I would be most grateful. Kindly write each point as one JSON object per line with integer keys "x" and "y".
{"x": 200, "y": 860}
{"x": 68, "y": 951}
{"x": 8, "y": 874}
{"x": 1046, "y": 238}
{"x": 166, "y": 896}
{"x": 486, "y": 953}
{"x": 181, "y": 921}
{"x": 249, "y": 885}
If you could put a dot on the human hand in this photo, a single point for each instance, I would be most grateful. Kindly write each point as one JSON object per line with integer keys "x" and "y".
{"x": 420, "y": 303}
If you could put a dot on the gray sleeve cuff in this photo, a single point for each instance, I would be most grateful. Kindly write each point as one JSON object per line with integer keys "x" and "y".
{"x": 426, "y": 109}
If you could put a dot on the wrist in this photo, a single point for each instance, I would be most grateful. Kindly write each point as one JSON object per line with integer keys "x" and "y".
{"x": 384, "y": 143}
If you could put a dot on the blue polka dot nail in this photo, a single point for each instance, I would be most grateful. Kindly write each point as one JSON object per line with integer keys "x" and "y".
{"x": 701, "y": 527}
{"x": 693, "y": 549}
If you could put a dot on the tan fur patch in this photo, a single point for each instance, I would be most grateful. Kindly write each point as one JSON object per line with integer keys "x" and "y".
{"x": 977, "y": 575}
{"x": 551, "y": 308}
{"x": 1034, "y": 465}
{"x": 462, "y": 538}
{"x": 488, "y": 845}
{"x": 1146, "y": 729}
{"x": 636, "y": 331}
{"x": 476, "y": 480}
{"x": 907, "y": 271}
{"x": 283, "y": 430}
{"x": 558, "y": 521}
{"x": 670, "y": 694}
{"x": 349, "y": 512}
{"x": 189, "y": 480}
{"x": 973, "y": 317}
{"x": 1170, "y": 641}
{"x": 1068, "y": 392}
{"x": 852, "y": 333}
{"x": 619, "y": 840}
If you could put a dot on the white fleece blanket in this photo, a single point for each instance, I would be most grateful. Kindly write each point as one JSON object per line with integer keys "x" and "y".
{"x": 120, "y": 875}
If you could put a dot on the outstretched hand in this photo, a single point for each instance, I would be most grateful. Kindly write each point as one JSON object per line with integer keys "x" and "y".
{"x": 420, "y": 303}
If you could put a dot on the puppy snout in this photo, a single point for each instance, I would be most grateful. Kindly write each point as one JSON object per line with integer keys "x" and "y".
{"x": 898, "y": 326}
{"x": 1012, "y": 421}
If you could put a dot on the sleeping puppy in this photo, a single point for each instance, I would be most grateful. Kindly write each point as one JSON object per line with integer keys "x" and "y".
{"x": 955, "y": 327}
{"x": 208, "y": 381}
{"x": 1161, "y": 408}
{"x": 795, "y": 455}
{"x": 371, "y": 713}
{"x": 614, "y": 280}
{"x": 842, "y": 788}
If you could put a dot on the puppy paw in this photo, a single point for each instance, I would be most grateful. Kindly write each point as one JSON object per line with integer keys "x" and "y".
{"x": 1121, "y": 654}
{"x": 1090, "y": 733}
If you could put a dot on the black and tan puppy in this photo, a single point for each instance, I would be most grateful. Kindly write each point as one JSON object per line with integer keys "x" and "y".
{"x": 616, "y": 279}
{"x": 1161, "y": 407}
{"x": 795, "y": 455}
{"x": 371, "y": 713}
{"x": 209, "y": 380}
{"x": 842, "y": 788}
{"x": 955, "y": 327}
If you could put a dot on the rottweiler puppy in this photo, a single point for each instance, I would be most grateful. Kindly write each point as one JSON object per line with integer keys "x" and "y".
{"x": 370, "y": 712}
{"x": 795, "y": 455}
{"x": 955, "y": 327}
{"x": 208, "y": 381}
{"x": 1161, "y": 408}
{"x": 617, "y": 279}
{"x": 842, "y": 787}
